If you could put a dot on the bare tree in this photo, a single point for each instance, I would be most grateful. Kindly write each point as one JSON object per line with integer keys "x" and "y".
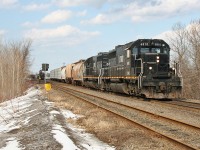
{"x": 178, "y": 42}
{"x": 185, "y": 43}
{"x": 179, "y": 45}
{"x": 14, "y": 68}
{"x": 194, "y": 54}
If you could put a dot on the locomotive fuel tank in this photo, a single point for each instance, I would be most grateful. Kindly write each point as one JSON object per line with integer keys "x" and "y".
{"x": 119, "y": 87}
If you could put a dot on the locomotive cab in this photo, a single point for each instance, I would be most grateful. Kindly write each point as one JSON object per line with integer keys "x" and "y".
{"x": 150, "y": 62}
{"x": 155, "y": 61}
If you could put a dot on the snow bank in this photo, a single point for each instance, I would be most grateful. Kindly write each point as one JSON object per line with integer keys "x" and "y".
{"x": 10, "y": 111}
{"x": 10, "y": 116}
{"x": 12, "y": 144}
{"x": 86, "y": 140}
{"x": 61, "y": 136}
{"x": 83, "y": 139}
{"x": 68, "y": 114}
{"x": 15, "y": 113}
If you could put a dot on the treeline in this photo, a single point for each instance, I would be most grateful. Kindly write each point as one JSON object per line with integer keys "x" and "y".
{"x": 14, "y": 68}
{"x": 185, "y": 42}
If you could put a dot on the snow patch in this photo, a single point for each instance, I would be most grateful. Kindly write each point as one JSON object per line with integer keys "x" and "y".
{"x": 31, "y": 111}
{"x": 88, "y": 141}
{"x": 54, "y": 112}
{"x": 10, "y": 111}
{"x": 68, "y": 114}
{"x": 49, "y": 103}
{"x": 63, "y": 139}
{"x": 12, "y": 144}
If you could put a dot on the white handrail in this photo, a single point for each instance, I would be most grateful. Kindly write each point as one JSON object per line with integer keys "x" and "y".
{"x": 100, "y": 75}
{"x": 140, "y": 75}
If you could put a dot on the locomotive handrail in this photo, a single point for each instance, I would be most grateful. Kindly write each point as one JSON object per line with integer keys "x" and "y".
{"x": 100, "y": 75}
{"x": 177, "y": 69}
{"x": 140, "y": 75}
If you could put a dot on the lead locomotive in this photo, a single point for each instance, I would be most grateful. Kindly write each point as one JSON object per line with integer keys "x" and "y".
{"x": 138, "y": 68}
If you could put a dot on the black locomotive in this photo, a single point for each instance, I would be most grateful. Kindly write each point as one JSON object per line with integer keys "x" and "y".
{"x": 41, "y": 75}
{"x": 138, "y": 68}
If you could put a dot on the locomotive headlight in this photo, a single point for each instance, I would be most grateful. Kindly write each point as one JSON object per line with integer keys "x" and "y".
{"x": 150, "y": 68}
{"x": 157, "y": 57}
{"x": 157, "y": 60}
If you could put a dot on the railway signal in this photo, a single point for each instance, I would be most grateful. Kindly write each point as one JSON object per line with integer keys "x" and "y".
{"x": 45, "y": 67}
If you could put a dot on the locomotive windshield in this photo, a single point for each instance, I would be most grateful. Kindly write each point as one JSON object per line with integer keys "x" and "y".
{"x": 144, "y": 50}
{"x": 150, "y": 46}
{"x": 152, "y": 50}
{"x": 155, "y": 50}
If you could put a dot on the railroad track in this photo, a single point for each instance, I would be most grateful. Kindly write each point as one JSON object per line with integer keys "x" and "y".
{"x": 180, "y": 133}
{"x": 177, "y": 103}
{"x": 184, "y": 104}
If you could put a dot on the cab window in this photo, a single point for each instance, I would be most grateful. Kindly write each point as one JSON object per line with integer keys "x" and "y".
{"x": 165, "y": 51}
{"x": 94, "y": 65}
{"x": 144, "y": 50}
{"x": 155, "y": 50}
{"x": 128, "y": 53}
{"x": 135, "y": 50}
{"x": 121, "y": 59}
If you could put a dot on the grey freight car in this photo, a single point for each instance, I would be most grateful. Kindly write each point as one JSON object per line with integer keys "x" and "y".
{"x": 58, "y": 74}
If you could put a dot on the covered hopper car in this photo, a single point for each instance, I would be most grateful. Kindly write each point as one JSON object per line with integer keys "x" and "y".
{"x": 77, "y": 73}
{"x": 68, "y": 73}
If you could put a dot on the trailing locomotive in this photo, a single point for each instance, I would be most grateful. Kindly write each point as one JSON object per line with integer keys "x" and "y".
{"x": 138, "y": 68}
{"x": 41, "y": 75}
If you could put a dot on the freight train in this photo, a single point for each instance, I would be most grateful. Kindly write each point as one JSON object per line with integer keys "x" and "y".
{"x": 140, "y": 68}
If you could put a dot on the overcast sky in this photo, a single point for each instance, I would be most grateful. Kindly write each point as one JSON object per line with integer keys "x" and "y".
{"x": 64, "y": 31}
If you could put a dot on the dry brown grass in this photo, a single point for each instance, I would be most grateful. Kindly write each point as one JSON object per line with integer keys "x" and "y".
{"x": 108, "y": 127}
{"x": 96, "y": 119}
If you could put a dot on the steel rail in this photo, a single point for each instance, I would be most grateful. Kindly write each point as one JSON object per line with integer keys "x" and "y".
{"x": 178, "y": 103}
{"x": 184, "y": 104}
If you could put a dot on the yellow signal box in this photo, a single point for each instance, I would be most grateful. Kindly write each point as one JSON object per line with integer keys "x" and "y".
{"x": 47, "y": 86}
